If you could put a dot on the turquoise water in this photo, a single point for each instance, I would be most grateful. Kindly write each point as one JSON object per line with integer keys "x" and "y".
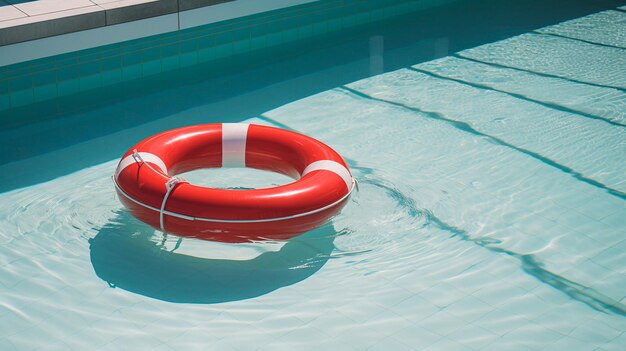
{"x": 491, "y": 213}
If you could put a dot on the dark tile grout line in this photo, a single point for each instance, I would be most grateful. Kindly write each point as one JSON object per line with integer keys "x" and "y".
{"x": 17, "y": 8}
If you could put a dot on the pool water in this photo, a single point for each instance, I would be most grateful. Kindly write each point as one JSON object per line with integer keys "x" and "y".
{"x": 491, "y": 211}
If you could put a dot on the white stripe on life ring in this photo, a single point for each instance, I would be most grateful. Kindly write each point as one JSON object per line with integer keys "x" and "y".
{"x": 234, "y": 137}
{"x": 332, "y": 166}
{"x": 146, "y": 156}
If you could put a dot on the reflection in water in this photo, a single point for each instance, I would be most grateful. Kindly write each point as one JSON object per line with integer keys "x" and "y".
{"x": 377, "y": 55}
{"x": 125, "y": 255}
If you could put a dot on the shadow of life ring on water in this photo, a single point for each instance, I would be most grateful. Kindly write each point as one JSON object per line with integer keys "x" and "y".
{"x": 126, "y": 256}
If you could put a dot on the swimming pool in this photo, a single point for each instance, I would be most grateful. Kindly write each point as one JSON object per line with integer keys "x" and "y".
{"x": 490, "y": 215}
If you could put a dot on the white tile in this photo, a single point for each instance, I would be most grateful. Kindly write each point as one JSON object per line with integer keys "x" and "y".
{"x": 616, "y": 220}
{"x": 588, "y": 273}
{"x": 362, "y": 311}
{"x": 389, "y": 296}
{"x": 415, "y": 308}
{"x": 281, "y": 324}
{"x": 550, "y": 294}
{"x": 613, "y": 258}
{"x": 416, "y": 337}
{"x": 472, "y": 280}
{"x": 40, "y": 7}
{"x": 473, "y": 336}
{"x": 49, "y": 16}
{"x": 442, "y": 323}
{"x": 469, "y": 308}
{"x": 532, "y": 335}
{"x": 501, "y": 322}
{"x": 569, "y": 344}
{"x": 8, "y": 12}
{"x": 100, "y": 2}
{"x": 442, "y": 294}
{"x": 333, "y": 324}
{"x": 616, "y": 344}
{"x": 498, "y": 292}
{"x": 391, "y": 344}
{"x": 596, "y": 333}
{"x": 7, "y": 345}
{"x": 446, "y": 344}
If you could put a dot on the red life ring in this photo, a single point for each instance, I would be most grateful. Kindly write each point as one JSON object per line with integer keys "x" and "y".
{"x": 146, "y": 184}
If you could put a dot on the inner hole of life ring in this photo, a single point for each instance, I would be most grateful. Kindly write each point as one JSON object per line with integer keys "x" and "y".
{"x": 235, "y": 178}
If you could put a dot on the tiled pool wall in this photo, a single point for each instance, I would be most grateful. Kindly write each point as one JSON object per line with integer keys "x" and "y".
{"x": 30, "y": 82}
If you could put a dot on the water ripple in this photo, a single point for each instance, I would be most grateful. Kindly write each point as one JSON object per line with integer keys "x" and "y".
{"x": 527, "y": 262}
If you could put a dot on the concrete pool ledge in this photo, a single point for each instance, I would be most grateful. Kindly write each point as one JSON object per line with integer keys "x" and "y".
{"x": 24, "y": 21}
{"x": 36, "y": 29}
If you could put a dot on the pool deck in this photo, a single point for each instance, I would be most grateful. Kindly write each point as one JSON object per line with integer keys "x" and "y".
{"x": 34, "y": 29}
{"x": 23, "y": 20}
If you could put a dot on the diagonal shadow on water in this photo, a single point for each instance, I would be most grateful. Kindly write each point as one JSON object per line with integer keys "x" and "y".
{"x": 466, "y": 127}
{"x": 123, "y": 254}
{"x": 516, "y": 95}
{"x": 528, "y": 262}
{"x": 540, "y": 74}
{"x": 578, "y": 39}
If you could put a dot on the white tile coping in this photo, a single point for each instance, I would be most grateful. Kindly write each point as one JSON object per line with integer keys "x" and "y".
{"x": 110, "y": 34}
{"x": 8, "y": 12}
{"x": 41, "y": 7}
